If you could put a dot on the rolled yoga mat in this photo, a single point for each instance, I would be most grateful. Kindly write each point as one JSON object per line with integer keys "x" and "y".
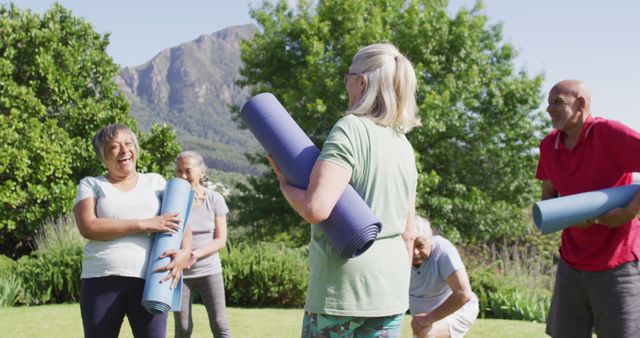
{"x": 352, "y": 227}
{"x": 562, "y": 212}
{"x": 158, "y": 297}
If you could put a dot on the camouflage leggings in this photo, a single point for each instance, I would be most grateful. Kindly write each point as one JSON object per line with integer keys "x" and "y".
{"x": 316, "y": 325}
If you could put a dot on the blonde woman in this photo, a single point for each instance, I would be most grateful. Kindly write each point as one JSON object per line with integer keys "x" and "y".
{"x": 366, "y": 295}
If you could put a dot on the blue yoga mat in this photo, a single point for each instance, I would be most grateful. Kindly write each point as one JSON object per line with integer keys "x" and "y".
{"x": 158, "y": 297}
{"x": 352, "y": 227}
{"x": 562, "y": 212}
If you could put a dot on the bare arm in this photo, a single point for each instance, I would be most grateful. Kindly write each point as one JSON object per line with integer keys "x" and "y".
{"x": 180, "y": 258}
{"x": 102, "y": 229}
{"x": 186, "y": 239}
{"x": 409, "y": 234}
{"x": 620, "y": 216}
{"x": 326, "y": 183}
{"x": 548, "y": 190}
{"x": 219, "y": 238}
{"x": 461, "y": 294}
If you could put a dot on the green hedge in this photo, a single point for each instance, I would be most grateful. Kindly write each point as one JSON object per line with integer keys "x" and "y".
{"x": 7, "y": 265}
{"x": 265, "y": 274}
{"x": 262, "y": 274}
{"x": 50, "y": 276}
{"x": 501, "y": 298}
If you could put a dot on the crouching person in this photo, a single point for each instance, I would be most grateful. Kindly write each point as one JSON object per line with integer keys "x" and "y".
{"x": 440, "y": 297}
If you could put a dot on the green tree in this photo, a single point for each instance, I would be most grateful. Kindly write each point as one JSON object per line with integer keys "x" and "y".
{"x": 475, "y": 149}
{"x": 56, "y": 91}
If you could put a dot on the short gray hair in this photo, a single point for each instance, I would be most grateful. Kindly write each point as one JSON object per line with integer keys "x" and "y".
{"x": 423, "y": 227}
{"x": 199, "y": 162}
{"x": 107, "y": 134}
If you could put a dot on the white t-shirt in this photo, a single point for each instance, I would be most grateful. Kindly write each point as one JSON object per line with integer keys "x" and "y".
{"x": 127, "y": 255}
{"x": 428, "y": 288}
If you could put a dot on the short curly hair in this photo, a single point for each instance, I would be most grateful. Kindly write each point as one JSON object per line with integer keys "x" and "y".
{"x": 107, "y": 134}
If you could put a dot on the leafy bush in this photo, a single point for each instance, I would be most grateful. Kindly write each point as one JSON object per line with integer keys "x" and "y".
{"x": 501, "y": 298}
{"x": 265, "y": 274}
{"x": 10, "y": 289}
{"x": 57, "y": 87}
{"x": 50, "y": 276}
{"x": 514, "y": 281}
{"x": 6, "y": 265}
{"x": 518, "y": 305}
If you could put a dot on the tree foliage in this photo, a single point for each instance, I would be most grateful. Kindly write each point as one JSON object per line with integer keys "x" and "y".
{"x": 475, "y": 147}
{"x": 56, "y": 91}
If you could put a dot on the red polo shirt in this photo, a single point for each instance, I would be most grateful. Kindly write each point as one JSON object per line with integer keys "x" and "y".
{"x": 605, "y": 156}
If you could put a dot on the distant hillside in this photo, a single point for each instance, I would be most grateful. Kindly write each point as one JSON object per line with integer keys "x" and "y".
{"x": 191, "y": 87}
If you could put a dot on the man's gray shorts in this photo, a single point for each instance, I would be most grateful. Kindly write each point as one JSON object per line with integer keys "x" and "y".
{"x": 607, "y": 300}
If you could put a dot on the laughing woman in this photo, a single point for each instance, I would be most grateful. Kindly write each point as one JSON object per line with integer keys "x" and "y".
{"x": 118, "y": 213}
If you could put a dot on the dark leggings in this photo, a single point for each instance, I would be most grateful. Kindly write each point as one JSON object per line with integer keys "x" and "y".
{"x": 104, "y": 302}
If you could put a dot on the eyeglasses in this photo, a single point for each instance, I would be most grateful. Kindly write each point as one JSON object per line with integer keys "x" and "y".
{"x": 346, "y": 76}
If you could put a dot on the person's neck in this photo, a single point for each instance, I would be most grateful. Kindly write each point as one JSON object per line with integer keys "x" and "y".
{"x": 199, "y": 194}
{"x": 120, "y": 179}
{"x": 572, "y": 134}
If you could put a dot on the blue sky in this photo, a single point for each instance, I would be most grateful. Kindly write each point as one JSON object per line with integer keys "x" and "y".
{"x": 594, "y": 41}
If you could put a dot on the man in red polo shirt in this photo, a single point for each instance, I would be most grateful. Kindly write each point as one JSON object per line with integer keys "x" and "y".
{"x": 598, "y": 277}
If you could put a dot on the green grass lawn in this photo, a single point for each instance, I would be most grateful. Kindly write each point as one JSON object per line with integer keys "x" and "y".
{"x": 58, "y": 321}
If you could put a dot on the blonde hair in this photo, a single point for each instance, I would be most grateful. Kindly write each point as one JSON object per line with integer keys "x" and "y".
{"x": 423, "y": 227}
{"x": 390, "y": 87}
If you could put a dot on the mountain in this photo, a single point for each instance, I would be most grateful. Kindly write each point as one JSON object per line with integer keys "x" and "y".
{"x": 192, "y": 87}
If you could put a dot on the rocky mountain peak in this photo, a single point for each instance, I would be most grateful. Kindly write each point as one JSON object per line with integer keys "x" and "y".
{"x": 192, "y": 87}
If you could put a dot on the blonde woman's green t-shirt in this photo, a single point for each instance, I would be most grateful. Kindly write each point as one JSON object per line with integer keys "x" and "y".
{"x": 383, "y": 172}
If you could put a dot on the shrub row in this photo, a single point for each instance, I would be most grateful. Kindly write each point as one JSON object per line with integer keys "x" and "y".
{"x": 500, "y": 298}
{"x": 50, "y": 276}
{"x": 258, "y": 274}
{"x": 263, "y": 275}
{"x": 45, "y": 276}
{"x": 514, "y": 280}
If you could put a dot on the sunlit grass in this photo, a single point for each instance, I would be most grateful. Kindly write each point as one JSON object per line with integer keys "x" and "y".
{"x": 58, "y": 321}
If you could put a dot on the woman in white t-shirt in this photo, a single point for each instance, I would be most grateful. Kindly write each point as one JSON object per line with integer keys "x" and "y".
{"x": 440, "y": 297}
{"x": 208, "y": 224}
{"x": 118, "y": 213}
